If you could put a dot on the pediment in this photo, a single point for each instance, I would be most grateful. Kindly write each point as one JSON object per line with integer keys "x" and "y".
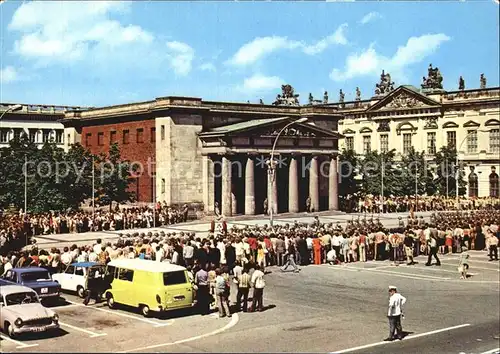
{"x": 298, "y": 130}
{"x": 492, "y": 122}
{"x": 269, "y": 128}
{"x": 365, "y": 130}
{"x": 450, "y": 125}
{"x": 470, "y": 124}
{"x": 403, "y": 98}
{"x": 348, "y": 131}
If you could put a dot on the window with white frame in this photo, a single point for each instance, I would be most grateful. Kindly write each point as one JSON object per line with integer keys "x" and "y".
{"x": 431, "y": 143}
{"x": 384, "y": 143}
{"x": 367, "y": 144}
{"x": 59, "y": 136}
{"x": 471, "y": 141}
{"x": 33, "y": 135}
{"x": 407, "y": 143}
{"x": 4, "y": 136}
{"x": 349, "y": 143}
{"x": 451, "y": 139}
{"x": 495, "y": 140}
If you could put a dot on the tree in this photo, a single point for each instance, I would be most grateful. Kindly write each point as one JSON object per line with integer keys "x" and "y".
{"x": 377, "y": 168}
{"x": 414, "y": 168}
{"x": 446, "y": 170}
{"x": 348, "y": 165}
{"x": 113, "y": 176}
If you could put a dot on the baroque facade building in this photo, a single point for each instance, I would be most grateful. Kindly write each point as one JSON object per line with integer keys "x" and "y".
{"x": 428, "y": 119}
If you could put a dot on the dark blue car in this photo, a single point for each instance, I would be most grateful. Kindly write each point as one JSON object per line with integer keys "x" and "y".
{"x": 36, "y": 278}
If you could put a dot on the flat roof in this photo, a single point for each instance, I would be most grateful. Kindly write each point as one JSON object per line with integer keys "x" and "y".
{"x": 145, "y": 265}
{"x": 12, "y": 289}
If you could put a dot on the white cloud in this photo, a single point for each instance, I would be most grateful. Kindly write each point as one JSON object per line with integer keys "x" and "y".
{"x": 260, "y": 47}
{"x": 208, "y": 67}
{"x": 181, "y": 57}
{"x": 369, "y": 17}
{"x": 369, "y": 62}
{"x": 65, "y": 32}
{"x": 338, "y": 37}
{"x": 261, "y": 83}
{"x": 8, "y": 74}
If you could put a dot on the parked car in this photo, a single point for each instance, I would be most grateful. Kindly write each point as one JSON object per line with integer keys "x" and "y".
{"x": 148, "y": 285}
{"x": 22, "y": 312}
{"x": 75, "y": 276}
{"x": 36, "y": 278}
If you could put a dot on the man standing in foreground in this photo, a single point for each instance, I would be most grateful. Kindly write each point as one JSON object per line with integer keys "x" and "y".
{"x": 396, "y": 302}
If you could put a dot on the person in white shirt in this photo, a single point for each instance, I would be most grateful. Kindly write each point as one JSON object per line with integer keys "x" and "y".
{"x": 395, "y": 312}
{"x": 98, "y": 247}
{"x": 258, "y": 284}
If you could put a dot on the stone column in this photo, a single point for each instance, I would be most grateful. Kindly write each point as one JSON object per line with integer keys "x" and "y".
{"x": 314, "y": 184}
{"x": 250, "y": 186}
{"x": 333, "y": 185}
{"x": 226, "y": 187}
{"x": 293, "y": 186}
{"x": 272, "y": 191}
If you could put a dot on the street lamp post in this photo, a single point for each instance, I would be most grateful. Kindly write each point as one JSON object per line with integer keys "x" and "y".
{"x": 457, "y": 162}
{"x": 272, "y": 167}
{"x": 382, "y": 186}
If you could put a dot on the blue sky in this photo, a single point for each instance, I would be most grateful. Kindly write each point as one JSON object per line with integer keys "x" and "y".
{"x": 103, "y": 53}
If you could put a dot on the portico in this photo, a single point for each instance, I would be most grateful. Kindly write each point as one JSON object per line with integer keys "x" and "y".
{"x": 238, "y": 180}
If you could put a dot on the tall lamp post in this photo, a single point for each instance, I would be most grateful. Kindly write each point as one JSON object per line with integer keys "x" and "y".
{"x": 457, "y": 169}
{"x": 272, "y": 166}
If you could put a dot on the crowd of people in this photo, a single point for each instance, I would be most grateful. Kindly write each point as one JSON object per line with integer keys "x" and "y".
{"x": 403, "y": 204}
{"x": 224, "y": 252}
{"x": 17, "y": 229}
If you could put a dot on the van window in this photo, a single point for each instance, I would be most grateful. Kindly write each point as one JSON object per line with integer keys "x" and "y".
{"x": 110, "y": 271}
{"x": 173, "y": 278}
{"x": 79, "y": 271}
{"x": 125, "y": 274}
{"x": 70, "y": 269}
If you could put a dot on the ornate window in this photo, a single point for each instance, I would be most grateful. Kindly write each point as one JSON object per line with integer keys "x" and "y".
{"x": 126, "y": 136}
{"x": 431, "y": 143}
{"x": 140, "y": 135}
{"x": 471, "y": 141}
{"x": 494, "y": 183}
{"x": 33, "y": 134}
{"x": 407, "y": 143}
{"x": 384, "y": 143}
{"x": 367, "y": 144}
{"x": 349, "y": 143}
{"x": 495, "y": 140}
{"x": 473, "y": 183}
{"x": 100, "y": 138}
{"x": 45, "y": 136}
{"x": 451, "y": 139}
{"x": 112, "y": 137}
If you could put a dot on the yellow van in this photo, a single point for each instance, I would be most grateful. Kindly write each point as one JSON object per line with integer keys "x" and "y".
{"x": 148, "y": 285}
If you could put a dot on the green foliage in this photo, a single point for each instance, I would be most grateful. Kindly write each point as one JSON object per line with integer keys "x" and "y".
{"x": 416, "y": 174}
{"x": 56, "y": 180}
{"x": 348, "y": 165}
{"x": 113, "y": 178}
{"x": 446, "y": 167}
{"x": 378, "y": 167}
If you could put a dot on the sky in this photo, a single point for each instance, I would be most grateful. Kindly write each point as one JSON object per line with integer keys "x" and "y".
{"x": 109, "y": 52}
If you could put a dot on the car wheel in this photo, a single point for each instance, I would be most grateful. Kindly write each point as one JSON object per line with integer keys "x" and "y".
{"x": 111, "y": 302}
{"x": 9, "y": 329}
{"x": 80, "y": 291}
{"x": 145, "y": 311}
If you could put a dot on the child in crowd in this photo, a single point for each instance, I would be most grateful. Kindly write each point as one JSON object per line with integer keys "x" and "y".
{"x": 463, "y": 264}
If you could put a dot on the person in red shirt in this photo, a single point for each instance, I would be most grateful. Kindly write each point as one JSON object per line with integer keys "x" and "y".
{"x": 252, "y": 242}
{"x": 269, "y": 248}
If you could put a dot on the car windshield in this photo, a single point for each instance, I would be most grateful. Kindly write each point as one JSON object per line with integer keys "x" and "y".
{"x": 21, "y": 298}
{"x": 35, "y": 276}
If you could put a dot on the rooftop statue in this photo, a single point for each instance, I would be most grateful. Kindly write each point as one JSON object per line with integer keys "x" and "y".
{"x": 287, "y": 97}
{"x": 325, "y": 97}
{"x": 482, "y": 82}
{"x": 341, "y": 96}
{"x": 434, "y": 79}
{"x": 461, "y": 83}
{"x": 358, "y": 94}
{"x": 385, "y": 85}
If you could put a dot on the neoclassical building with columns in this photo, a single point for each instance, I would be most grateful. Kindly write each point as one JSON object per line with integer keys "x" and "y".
{"x": 216, "y": 153}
